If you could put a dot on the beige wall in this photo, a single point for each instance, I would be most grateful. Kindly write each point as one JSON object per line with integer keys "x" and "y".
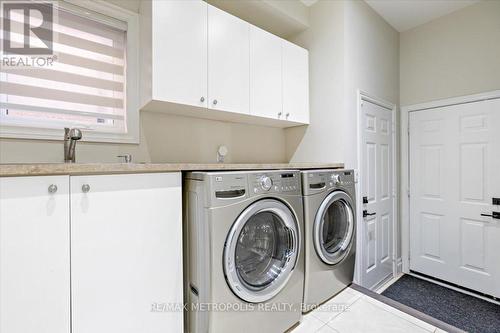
{"x": 322, "y": 140}
{"x": 350, "y": 47}
{"x": 372, "y": 66}
{"x": 167, "y": 138}
{"x": 164, "y": 138}
{"x": 455, "y": 55}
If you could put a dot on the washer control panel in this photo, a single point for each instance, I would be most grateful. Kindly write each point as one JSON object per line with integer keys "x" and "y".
{"x": 275, "y": 182}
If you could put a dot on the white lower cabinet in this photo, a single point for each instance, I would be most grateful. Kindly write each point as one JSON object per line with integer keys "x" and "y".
{"x": 34, "y": 255}
{"x": 125, "y": 237}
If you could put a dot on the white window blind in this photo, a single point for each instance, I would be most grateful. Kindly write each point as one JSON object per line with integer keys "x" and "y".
{"x": 85, "y": 86}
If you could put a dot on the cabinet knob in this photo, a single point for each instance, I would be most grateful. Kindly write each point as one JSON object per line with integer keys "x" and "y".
{"x": 287, "y": 114}
{"x": 279, "y": 114}
{"x": 52, "y": 189}
{"x": 85, "y": 188}
{"x": 202, "y": 99}
{"x": 215, "y": 102}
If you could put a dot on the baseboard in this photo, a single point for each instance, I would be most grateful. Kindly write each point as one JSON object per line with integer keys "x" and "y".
{"x": 399, "y": 266}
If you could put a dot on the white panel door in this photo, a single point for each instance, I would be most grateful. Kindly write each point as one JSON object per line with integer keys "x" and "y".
{"x": 377, "y": 182}
{"x": 295, "y": 83}
{"x": 34, "y": 255}
{"x": 454, "y": 174}
{"x": 180, "y": 51}
{"x": 126, "y": 255}
{"x": 265, "y": 74}
{"x": 228, "y": 62}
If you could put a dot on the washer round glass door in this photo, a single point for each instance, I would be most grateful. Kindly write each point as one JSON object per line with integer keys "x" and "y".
{"x": 334, "y": 228}
{"x": 261, "y": 250}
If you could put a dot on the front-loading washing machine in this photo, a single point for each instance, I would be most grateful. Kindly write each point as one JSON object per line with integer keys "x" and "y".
{"x": 329, "y": 233}
{"x": 243, "y": 251}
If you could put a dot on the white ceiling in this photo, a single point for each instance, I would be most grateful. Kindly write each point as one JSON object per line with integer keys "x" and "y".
{"x": 401, "y": 14}
{"x": 407, "y": 14}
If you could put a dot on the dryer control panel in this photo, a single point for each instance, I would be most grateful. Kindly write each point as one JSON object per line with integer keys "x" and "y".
{"x": 322, "y": 180}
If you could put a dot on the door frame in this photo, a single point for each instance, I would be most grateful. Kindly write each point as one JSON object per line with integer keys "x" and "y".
{"x": 405, "y": 160}
{"x": 363, "y": 96}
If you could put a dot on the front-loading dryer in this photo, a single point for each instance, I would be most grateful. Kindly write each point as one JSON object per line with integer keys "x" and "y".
{"x": 329, "y": 233}
{"x": 243, "y": 251}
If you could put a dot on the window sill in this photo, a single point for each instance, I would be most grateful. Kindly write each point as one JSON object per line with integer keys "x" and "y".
{"x": 29, "y": 133}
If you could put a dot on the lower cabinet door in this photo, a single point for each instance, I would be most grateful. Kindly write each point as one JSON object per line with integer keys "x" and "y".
{"x": 126, "y": 257}
{"x": 34, "y": 255}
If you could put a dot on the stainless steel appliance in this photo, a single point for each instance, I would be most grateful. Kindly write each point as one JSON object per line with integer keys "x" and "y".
{"x": 243, "y": 249}
{"x": 330, "y": 233}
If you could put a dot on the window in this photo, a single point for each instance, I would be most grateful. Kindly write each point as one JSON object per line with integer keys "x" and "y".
{"x": 85, "y": 86}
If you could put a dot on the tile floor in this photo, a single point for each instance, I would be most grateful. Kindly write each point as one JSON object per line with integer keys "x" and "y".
{"x": 353, "y": 312}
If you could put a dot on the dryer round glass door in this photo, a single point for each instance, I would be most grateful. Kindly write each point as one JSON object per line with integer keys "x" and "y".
{"x": 334, "y": 228}
{"x": 261, "y": 251}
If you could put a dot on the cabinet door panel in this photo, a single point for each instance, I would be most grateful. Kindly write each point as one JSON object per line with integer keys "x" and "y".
{"x": 265, "y": 74}
{"x": 126, "y": 253}
{"x": 180, "y": 51}
{"x": 295, "y": 83}
{"x": 34, "y": 255}
{"x": 228, "y": 62}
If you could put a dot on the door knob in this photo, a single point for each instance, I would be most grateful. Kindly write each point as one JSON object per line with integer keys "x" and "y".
{"x": 495, "y": 215}
{"x": 365, "y": 213}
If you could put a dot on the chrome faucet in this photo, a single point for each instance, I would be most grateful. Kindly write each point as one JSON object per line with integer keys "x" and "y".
{"x": 70, "y": 137}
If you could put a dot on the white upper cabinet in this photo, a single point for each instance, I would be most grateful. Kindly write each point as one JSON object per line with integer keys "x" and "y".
{"x": 295, "y": 83}
{"x": 200, "y": 61}
{"x": 228, "y": 62}
{"x": 179, "y": 52}
{"x": 34, "y": 255}
{"x": 265, "y": 74}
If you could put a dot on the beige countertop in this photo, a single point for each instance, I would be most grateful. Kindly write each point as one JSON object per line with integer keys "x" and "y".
{"x": 45, "y": 169}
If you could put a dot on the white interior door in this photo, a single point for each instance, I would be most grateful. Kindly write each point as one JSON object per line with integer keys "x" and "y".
{"x": 378, "y": 194}
{"x": 454, "y": 174}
